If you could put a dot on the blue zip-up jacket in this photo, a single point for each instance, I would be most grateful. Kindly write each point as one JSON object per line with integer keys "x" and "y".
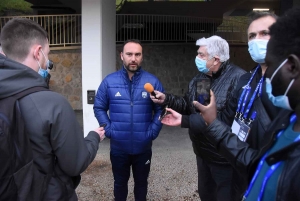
{"x": 132, "y": 123}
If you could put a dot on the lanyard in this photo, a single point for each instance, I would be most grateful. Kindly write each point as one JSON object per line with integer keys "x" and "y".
{"x": 257, "y": 90}
{"x": 246, "y": 92}
{"x": 271, "y": 170}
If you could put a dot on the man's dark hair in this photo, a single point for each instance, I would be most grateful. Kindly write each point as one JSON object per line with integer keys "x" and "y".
{"x": 285, "y": 35}
{"x": 18, "y": 35}
{"x": 260, "y": 14}
{"x": 131, "y": 41}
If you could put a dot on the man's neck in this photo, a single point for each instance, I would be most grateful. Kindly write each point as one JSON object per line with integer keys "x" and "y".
{"x": 263, "y": 68}
{"x": 209, "y": 73}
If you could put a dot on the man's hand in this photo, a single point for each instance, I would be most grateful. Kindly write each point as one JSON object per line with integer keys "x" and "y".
{"x": 209, "y": 112}
{"x": 101, "y": 132}
{"x": 160, "y": 97}
{"x": 172, "y": 119}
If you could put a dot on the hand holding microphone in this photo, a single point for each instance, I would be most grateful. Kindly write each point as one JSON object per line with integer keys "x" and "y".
{"x": 156, "y": 96}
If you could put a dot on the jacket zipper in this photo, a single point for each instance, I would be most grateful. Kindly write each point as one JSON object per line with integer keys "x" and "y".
{"x": 131, "y": 114}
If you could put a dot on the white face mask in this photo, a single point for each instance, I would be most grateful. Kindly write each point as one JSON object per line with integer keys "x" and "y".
{"x": 278, "y": 101}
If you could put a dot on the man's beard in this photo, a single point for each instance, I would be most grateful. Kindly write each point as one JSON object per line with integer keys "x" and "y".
{"x": 127, "y": 67}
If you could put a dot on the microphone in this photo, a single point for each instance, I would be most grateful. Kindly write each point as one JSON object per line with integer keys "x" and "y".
{"x": 149, "y": 88}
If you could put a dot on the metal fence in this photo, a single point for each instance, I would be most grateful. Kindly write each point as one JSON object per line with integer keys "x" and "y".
{"x": 65, "y": 30}
{"x": 162, "y": 28}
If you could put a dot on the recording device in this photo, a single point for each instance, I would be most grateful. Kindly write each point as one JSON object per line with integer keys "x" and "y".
{"x": 163, "y": 113}
{"x": 149, "y": 88}
{"x": 203, "y": 91}
{"x": 50, "y": 64}
{"x": 102, "y": 125}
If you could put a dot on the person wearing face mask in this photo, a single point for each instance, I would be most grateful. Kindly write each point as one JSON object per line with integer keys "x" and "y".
{"x": 272, "y": 170}
{"x": 212, "y": 61}
{"x": 60, "y": 151}
{"x": 249, "y": 111}
{"x": 250, "y": 108}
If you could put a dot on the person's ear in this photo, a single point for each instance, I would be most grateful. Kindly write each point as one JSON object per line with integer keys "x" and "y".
{"x": 36, "y": 52}
{"x": 216, "y": 60}
{"x": 121, "y": 54}
{"x": 293, "y": 66}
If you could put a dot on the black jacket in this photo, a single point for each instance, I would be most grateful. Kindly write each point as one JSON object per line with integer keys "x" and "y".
{"x": 223, "y": 84}
{"x": 56, "y": 137}
{"x": 264, "y": 108}
{"x": 266, "y": 112}
{"x": 245, "y": 159}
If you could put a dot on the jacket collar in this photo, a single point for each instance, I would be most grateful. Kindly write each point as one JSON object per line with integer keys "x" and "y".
{"x": 280, "y": 123}
{"x": 136, "y": 75}
{"x": 282, "y": 154}
{"x": 221, "y": 69}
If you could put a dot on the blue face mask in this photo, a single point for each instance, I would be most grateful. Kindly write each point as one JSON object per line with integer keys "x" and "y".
{"x": 43, "y": 73}
{"x": 49, "y": 65}
{"x": 201, "y": 65}
{"x": 257, "y": 49}
{"x": 278, "y": 101}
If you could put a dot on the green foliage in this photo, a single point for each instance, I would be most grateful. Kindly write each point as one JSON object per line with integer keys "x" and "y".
{"x": 16, "y": 5}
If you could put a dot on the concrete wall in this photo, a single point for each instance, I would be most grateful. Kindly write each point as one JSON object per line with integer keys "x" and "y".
{"x": 173, "y": 64}
{"x": 66, "y": 75}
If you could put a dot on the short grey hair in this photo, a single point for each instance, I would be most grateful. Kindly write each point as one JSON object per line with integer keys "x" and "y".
{"x": 215, "y": 46}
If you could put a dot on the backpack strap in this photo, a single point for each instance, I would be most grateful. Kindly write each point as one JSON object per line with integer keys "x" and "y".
{"x": 21, "y": 95}
{"x": 29, "y": 91}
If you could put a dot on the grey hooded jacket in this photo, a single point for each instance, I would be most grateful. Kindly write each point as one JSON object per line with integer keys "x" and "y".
{"x": 56, "y": 137}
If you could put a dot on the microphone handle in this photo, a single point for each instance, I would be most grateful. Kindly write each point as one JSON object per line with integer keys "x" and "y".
{"x": 153, "y": 94}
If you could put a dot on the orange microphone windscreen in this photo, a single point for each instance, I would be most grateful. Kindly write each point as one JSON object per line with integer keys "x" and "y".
{"x": 148, "y": 87}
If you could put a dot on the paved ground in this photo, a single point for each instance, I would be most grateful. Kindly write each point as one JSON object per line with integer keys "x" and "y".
{"x": 173, "y": 175}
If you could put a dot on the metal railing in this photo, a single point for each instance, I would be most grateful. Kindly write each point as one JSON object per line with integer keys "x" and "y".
{"x": 163, "y": 28}
{"x": 65, "y": 30}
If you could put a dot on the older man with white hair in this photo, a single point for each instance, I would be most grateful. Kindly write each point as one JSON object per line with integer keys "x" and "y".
{"x": 221, "y": 76}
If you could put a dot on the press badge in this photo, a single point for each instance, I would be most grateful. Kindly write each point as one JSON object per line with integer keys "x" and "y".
{"x": 235, "y": 128}
{"x": 242, "y": 124}
{"x": 243, "y": 132}
{"x": 241, "y": 129}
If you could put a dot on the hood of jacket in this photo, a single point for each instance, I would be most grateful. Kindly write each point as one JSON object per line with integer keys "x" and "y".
{"x": 16, "y": 77}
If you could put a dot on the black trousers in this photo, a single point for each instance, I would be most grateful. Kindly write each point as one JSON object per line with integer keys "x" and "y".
{"x": 214, "y": 181}
{"x": 121, "y": 164}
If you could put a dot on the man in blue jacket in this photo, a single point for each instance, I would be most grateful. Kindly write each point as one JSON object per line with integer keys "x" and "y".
{"x": 132, "y": 123}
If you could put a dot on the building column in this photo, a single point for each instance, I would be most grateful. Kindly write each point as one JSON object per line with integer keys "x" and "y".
{"x": 98, "y": 51}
